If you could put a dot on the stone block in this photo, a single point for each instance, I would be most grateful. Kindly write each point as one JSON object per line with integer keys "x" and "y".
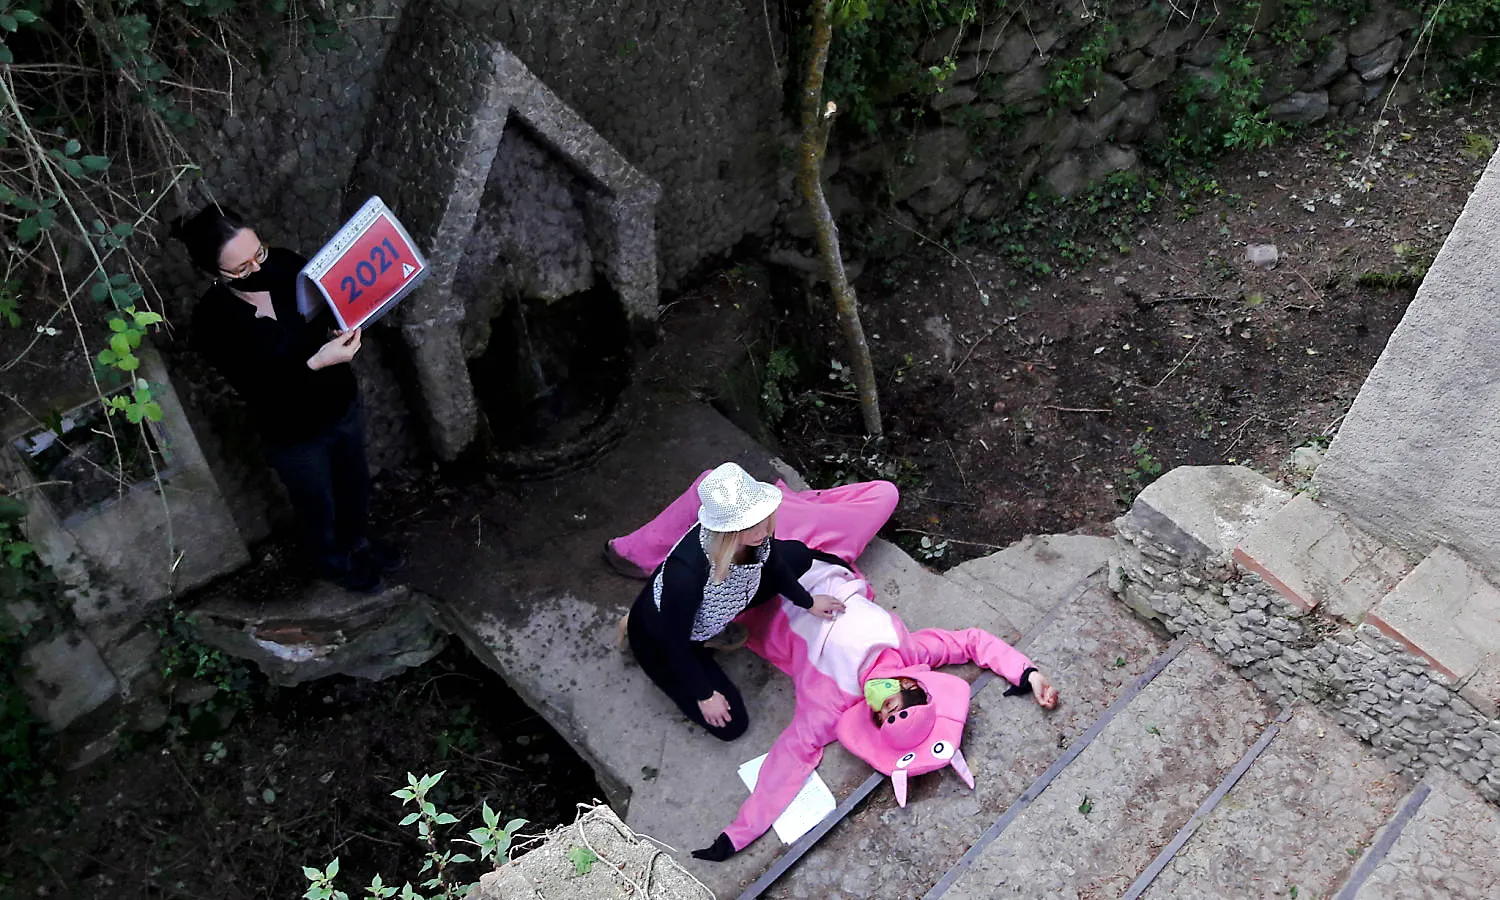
{"x": 1368, "y": 35}
{"x": 1328, "y": 66}
{"x": 1445, "y": 612}
{"x": 1152, "y": 73}
{"x": 1377, "y": 63}
{"x": 1315, "y": 557}
{"x": 1483, "y": 689}
{"x": 1302, "y": 108}
{"x": 1203, "y": 512}
{"x": 64, "y": 678}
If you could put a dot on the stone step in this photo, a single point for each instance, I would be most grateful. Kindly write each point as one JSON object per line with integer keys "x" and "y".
{"x": 1300, "y": 816}
{"x": 1103, "y": 818}
{"x": 1448, "y": 850}
{"x": 1032, "y": 576}
{"x": 1092, "y": 649}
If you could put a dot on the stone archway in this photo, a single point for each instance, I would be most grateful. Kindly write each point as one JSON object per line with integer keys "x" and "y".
{"x": 460, "y": 120}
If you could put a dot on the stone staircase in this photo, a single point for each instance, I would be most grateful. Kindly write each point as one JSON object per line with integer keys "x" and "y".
{"x": 1164, "y": 773}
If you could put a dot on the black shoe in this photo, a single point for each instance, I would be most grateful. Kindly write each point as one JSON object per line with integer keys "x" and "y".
{"x": 382, "y": 556}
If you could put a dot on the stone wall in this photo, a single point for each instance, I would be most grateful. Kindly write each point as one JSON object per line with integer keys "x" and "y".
{"x": 1004, "y": 126}
{"x": 1303, "y": 608}
{"x": 1414, "y": 460}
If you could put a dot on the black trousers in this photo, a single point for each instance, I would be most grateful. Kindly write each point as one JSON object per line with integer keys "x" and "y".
{"x": 655, "y": 662}
{"x": 328, "y": 482}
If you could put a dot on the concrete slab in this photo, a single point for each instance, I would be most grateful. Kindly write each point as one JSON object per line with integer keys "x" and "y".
{"x": 626, "y": 864}
{"x": 1105, "y": 816}
{"x": 1448, "y": 851}
{"x": 1300, "y": 817}
{"x": 1319, "y": 558}
{"x": 1091, "y": 649}
{"x": 1415, "y": 458}
{"x": 64, "y": 678}
{"x": 1029, "y": 578}
{"x": 925, "y": 599}
{"x": 519, "y": 576}
{"x": 1444, "y": 611}
{"x": 1202, "y": 512}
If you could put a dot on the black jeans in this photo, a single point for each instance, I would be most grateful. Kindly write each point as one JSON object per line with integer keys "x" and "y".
{"x": 654, "y": 662}
{"x": 329, "y": 484}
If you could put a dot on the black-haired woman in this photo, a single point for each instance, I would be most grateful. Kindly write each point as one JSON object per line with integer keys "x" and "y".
{"x": 292, "y": 370}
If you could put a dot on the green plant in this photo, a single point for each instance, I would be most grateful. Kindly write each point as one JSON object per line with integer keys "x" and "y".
{"x": 873, "y": 73}
{"x": 1220, "y": 109}
{"x": 778, "y": 384}
{"x": 490, "y": 842}
{"x": 1072, "y": 79}
{"x": 931, "y": 549}
{"x": 27, "y": 583}
{"x": 1146, "y": 469}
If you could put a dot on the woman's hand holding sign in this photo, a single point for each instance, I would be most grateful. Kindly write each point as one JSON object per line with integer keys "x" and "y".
{"x": 340, "y": 349}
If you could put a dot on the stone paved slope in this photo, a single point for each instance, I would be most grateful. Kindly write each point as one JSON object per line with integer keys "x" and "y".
{"x": 1092, "y": 649}
{"x": 1300, "y": 817}
{"x": 1105, "y": 816}
{"x": 1450, "y": 850}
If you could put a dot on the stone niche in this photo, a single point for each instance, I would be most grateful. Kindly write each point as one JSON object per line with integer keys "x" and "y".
{"x": 547, "y": 335}
{"x": 541, "y": 243}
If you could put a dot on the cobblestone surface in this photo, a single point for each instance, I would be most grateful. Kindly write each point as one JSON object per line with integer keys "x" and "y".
{"x": 1367, "y": 682}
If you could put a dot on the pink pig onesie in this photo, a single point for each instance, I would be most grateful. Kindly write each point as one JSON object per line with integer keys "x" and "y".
{"x": 827, "y": 660}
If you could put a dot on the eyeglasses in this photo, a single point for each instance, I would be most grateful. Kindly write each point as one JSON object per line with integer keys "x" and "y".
{"x": 249, "y": 265}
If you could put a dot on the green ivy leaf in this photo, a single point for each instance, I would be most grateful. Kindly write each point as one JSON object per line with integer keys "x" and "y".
{"x": 583, "y": 859}
{"x": 8, "y": 22}
{"x": 24, "y": 16}
{"x": 29, "y": 228}
{"x": 106, "y": 357}
{"x": 128, "y": 363}
{"x": 72, "y": 146}
{"x": 117, "y": 324}
{"x": 143, "y": 319}
{"x": 152, "y": 410}
{"x": 120, "y": 343}
{"x": 95, "y": 163}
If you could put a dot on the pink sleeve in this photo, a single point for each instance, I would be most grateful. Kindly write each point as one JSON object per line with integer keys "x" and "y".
{"x": 937, "y": 647}
{"x": 793, "y": 757}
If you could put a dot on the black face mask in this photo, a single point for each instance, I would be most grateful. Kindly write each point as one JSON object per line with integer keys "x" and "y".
{"x": 270, "y": 274}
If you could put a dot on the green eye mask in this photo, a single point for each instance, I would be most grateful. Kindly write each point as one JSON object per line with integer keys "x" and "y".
{"x": 879, "y": 690}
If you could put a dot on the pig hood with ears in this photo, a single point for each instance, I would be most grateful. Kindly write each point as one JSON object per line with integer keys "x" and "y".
{"x": 918, "y": 739}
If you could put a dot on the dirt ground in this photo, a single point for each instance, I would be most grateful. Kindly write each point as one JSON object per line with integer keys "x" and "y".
{"x": 1023, "y": 402}
{"x": 300, "y": 777}
{"x": 1034, "y": 378}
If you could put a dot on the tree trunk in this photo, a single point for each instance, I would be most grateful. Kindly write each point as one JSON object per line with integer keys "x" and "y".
{"x": 815, "y": 127}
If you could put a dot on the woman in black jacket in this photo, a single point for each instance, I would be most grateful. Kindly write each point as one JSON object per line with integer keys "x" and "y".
{"x": 724, "y": 565}
{"x": 291, "y": 367}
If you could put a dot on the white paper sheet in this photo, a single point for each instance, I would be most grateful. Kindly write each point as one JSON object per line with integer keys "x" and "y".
{"x": 808, "y": 808}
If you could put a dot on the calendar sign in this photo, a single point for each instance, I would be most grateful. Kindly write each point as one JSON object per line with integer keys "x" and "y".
{"x": 366, "y": 268}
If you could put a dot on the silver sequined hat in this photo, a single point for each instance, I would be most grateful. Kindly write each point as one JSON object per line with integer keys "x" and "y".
{"x": 733, "y": 501}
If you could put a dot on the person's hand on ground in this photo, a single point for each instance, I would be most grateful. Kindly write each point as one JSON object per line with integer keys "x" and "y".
{"x": 720, "y": 850}
{"x": 827, "y": 606}
{"x": 1043, "y": 691}
{"x": 715, "y": 710}
{"x": 340, "y": 349}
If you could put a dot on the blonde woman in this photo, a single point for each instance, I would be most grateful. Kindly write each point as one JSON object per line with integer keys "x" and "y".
{"x": 726, "y": 563}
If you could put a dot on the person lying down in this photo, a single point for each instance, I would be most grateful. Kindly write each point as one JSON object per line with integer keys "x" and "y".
{"x": 864, "y": 679}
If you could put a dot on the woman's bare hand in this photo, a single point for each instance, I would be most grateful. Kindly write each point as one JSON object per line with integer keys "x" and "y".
{"x": 340, "y": 349}
{"x": 827, "y": 606}
{"x": 715, "y": 710}
{"x": 1043, "y": 691}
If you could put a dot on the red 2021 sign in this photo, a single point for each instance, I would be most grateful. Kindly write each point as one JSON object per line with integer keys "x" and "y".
{"x": 367, "y": 267}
